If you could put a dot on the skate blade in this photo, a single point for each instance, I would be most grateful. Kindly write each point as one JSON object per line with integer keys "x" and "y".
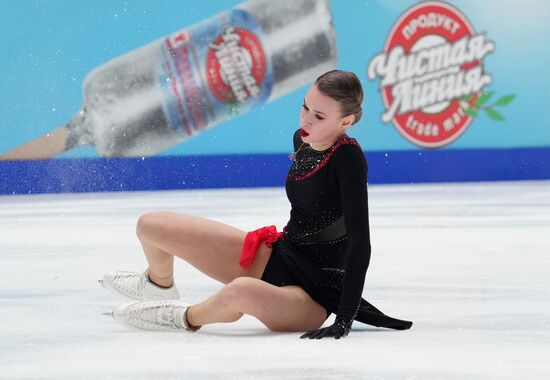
{"x": 109, "y": 314}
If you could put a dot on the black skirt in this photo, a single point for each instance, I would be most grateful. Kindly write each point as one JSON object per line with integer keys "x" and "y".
{"x": 290, "y": 265}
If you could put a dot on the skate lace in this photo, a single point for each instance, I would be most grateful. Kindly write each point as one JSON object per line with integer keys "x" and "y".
{"x": 164, "y": 315}
{"x": 134, "y": 282}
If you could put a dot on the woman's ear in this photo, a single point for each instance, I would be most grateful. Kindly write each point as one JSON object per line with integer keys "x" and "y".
{"x": 347, "y": 121}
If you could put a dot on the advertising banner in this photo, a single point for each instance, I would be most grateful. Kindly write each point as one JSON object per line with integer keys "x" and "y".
{"x": 111, "y": 95}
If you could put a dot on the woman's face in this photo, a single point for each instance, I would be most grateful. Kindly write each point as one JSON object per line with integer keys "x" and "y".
{"x": 321, "y": 123}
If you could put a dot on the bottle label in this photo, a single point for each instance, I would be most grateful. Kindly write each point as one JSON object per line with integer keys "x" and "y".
{"x": 212, "y": 71}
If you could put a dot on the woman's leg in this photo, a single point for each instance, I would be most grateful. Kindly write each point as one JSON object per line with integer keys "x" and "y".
{"x": 213, "y": 248}
{"x": 287, "y": 308}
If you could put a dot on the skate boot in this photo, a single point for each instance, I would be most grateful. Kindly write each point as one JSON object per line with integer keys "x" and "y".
{"x": 166, "y": 315}
{"x": 137, "y": 286}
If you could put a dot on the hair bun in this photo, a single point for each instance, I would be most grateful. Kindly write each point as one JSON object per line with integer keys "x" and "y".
{"x": 344, "y": 87}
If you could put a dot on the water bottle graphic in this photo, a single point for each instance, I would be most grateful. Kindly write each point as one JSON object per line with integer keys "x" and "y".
{"x": 176, "y": 87}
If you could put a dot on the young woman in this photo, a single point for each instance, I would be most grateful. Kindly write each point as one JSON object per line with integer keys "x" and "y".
{"x": 291, "y": 280}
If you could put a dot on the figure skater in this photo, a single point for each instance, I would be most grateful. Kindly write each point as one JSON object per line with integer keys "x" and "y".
{"x": 291, "y": 280}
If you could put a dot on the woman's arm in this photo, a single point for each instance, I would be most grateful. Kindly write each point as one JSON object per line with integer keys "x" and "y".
{"x": 352, "y": 177}
{"x": 350, "y": 171}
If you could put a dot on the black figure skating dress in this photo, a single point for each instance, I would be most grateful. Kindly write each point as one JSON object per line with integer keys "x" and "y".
{"x": 325, "y": 247}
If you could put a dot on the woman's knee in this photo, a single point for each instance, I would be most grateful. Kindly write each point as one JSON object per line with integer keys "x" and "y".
{"x": 150, "y": 224}
{"x": 234, "y": 296}
{"x": 237, "y": 293}
{"x": 242, "y": 295}
{"x": 154, "y": 224}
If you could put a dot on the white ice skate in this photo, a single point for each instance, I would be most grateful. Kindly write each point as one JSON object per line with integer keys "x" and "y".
{"x": 137, "y": 286}
{"x": 168, "y": 315}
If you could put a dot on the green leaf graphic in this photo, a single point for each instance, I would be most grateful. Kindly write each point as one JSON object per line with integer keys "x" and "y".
{"x": 465, "y": 97}
{"x": 504, "y": 100}
{"x": 494, "y": 114}
{"x": 470, "y": 112}
{"x": 233, "y": 110}
{"x": 484, "y": 98}
{"x": 233, "y": 105}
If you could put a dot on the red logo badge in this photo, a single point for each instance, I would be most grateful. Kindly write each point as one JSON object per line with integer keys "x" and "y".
{"x": 432, "y": 61}
{"x": 236, "y": 65}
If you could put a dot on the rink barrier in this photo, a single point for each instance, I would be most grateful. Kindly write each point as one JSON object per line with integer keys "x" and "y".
{"x": 263, "y": 170}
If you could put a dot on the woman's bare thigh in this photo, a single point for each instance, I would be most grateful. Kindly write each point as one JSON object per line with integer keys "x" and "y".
{"x": 287, "y": 308}
{"x": 212, "y": 247}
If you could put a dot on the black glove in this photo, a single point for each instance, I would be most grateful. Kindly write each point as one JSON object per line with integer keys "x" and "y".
{"x": 338, "y": 329}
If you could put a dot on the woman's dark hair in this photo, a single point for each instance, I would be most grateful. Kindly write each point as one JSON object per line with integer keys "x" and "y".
{"x": 345, "y": 88}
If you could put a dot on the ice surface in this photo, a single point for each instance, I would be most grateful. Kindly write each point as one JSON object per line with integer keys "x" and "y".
{"x": 468, "y": 263}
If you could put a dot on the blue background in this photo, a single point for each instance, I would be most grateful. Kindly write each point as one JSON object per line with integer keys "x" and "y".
{"x": 48, "y": 47}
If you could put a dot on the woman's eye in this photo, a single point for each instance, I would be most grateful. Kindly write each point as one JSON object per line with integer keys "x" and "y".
{"x": 317, "y": 116}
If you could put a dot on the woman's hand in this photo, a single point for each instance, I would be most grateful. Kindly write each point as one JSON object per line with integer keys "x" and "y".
{"x": 336, "y": 330}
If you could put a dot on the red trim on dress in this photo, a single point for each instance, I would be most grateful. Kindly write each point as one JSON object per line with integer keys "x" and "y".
{"x": 339, "y": 143}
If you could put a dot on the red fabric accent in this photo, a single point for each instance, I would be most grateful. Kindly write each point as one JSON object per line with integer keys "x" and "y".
{"x": 339, "y": 143}
{"x": 252, "y": 241}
